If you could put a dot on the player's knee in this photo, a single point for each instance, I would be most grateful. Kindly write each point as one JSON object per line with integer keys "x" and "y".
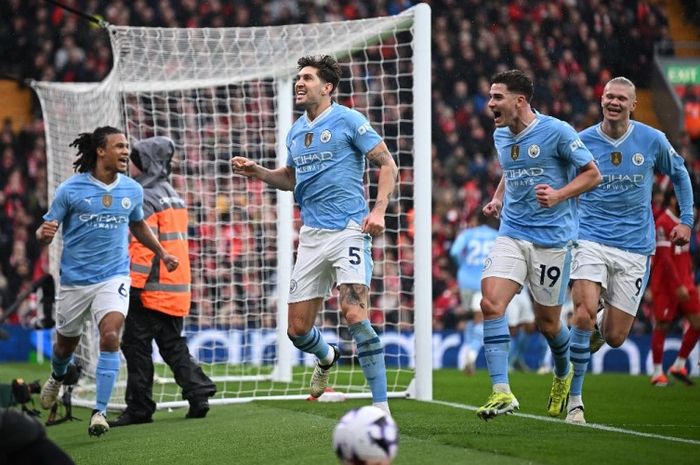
{"x": 549, "y": 328}
{"x": 109, "y": 341}
{"x": 61, "y": 352}
{"x": 296, "y": 329}
{"x": 491, "y": 309}
{"x": 65, "y": 346}
{"x": 548, "y": 323}
{"x": 583, "y": 319}
{"x": 615, "y": 340}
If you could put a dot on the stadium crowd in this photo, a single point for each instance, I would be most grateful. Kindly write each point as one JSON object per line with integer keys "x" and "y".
{"x": 570, "y": 48}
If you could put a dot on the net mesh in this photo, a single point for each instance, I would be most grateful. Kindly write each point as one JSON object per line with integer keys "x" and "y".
{"x": 221, "y": 92}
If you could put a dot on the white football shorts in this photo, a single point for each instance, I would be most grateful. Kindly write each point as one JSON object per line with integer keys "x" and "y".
{"x": 75, "y": 303}
{"x": 519, "y": 310}
{"x": 470, "y": 299}
{"x": 325, "y": 257}
{"x": 623, "y": 275}
{"x": 545, "y": 270}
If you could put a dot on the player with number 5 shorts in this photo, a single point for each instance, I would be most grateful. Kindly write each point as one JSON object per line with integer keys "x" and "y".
{"x": 327, "y": 149}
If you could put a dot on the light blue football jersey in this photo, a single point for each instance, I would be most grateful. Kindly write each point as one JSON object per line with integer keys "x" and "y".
{"x": 469, "y": 251}
{"x": 328, "y": 155}
{"x": 549, "y": 152}
{"x": 618, "y": 213}
{"x": 95, "y": 219}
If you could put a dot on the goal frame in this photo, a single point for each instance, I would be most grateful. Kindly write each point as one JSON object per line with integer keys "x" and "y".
{"x": 420, "y": 387}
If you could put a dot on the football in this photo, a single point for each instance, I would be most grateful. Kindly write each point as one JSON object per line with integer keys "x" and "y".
{"x": 366, "y": 436}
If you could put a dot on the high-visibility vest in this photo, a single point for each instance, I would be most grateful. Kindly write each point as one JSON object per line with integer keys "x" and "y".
{"x": 162, "y": 290}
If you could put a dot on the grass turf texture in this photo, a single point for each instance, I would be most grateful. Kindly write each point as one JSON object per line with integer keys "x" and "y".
{"x": 448, "y": 431}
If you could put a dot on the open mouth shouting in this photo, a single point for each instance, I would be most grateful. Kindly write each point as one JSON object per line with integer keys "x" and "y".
{"x": 123, "y": 162}
{"x": 498, "y": 117}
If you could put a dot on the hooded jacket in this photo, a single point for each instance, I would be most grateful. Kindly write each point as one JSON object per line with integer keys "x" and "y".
{"x": 166, "y": 214}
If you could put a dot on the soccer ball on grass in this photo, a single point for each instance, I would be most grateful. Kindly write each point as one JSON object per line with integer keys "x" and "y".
{"x": 366, "y": 436}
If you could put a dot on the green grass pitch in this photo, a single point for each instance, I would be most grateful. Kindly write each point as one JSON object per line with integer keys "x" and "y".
{"x": 630, "y": 422}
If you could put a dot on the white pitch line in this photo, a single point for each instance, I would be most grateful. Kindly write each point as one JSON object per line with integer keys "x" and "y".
{"x": 660, "y": 426}
{"x": 586, "y": 425}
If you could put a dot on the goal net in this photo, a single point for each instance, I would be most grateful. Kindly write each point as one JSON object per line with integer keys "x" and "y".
{"x": 222, "y": 92}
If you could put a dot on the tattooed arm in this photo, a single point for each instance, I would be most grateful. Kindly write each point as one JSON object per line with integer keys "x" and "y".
{"x": 374, "y": 223}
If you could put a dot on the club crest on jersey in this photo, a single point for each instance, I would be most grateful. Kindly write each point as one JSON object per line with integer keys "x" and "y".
{"x": 107, "y": 200}
{"x": 308, "y": 138}
{"x": 515, "y": 152}
{"x": 126, "y": 203}
{"x": 533, "y": 151}
{"x": 325, "y": 136}
{"x": 616, "y": 158}
{"x": 637, "y": 159}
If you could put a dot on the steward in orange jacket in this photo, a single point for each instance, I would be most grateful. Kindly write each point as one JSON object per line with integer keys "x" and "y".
{"x": 166, "y": 214}
{"x": 159, "y": 300}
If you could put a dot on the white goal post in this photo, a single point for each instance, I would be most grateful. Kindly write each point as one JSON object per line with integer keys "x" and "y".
{"x": 228, "y": 91}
